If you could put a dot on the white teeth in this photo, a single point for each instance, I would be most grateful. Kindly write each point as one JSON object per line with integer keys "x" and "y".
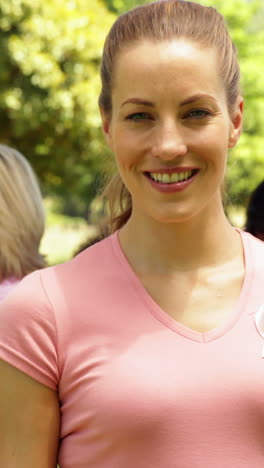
{"x": 165, "y": 178}
{"x": 182, "y": 176}
{"x": 171, "y": 178}
{"x": 175, "y": 177}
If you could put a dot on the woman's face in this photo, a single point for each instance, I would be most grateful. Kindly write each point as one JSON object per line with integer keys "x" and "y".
{"x": 170, "y": 128}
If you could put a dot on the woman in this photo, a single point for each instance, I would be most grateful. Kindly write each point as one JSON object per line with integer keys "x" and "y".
{"x": 255, "y": 213}
{"x": 142, "y": 352}
{"x": 21, "y": 219}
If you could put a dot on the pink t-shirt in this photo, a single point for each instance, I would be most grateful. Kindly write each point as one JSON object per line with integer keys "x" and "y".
{"x": 6, "y": 286}
{"x": 138, "y": 389}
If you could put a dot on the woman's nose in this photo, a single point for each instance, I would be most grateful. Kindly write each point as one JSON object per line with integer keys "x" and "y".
{"x": 169, "y": 142}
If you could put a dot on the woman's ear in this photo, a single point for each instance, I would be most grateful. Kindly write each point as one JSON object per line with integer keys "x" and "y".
{"x": 236, "y": 123}
{"x": 106, "y": 126}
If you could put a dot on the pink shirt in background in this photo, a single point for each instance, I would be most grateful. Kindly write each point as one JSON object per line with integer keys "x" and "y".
{"x": 138, "y": 389}
{"x": 6, "y": 286}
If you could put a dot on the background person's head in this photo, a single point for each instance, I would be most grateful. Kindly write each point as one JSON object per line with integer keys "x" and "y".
{"x": 255, "y": 213}
{"x": 22, "y": 217}
{"x": 163, "y": 21}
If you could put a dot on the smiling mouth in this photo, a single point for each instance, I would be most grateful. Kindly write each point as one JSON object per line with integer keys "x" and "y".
{"x": 171, "y": 178}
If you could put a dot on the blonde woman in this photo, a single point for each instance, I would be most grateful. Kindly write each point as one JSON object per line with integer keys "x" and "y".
{"x": 22, "y": 219}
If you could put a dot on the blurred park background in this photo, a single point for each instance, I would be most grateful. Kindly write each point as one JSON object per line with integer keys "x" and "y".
{"x": 49, "y": 85}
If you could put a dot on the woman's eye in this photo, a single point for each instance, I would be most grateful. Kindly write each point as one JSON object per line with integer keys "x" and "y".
{"x": 198, "y": 113}
{"x": 136, "y": 116}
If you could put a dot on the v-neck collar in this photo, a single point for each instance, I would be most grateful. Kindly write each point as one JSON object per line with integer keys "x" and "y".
{"x": 146, "y": 299}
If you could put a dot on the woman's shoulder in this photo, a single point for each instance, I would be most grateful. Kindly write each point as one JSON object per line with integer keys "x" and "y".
{"x": 83, "y": 272}
{"x": 60, "y": 284}
{"x": 46, "y": 311}
{"x": 87, "y": 262}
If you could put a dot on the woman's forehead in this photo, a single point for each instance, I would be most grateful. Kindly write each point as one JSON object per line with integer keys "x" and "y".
{"x": 146, "y": 56}
{"x": 167, "y": 65}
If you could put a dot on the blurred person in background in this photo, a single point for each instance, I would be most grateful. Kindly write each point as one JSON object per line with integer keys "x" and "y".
{"x": 22, "y": 219}
{"x": 255, "y": 213}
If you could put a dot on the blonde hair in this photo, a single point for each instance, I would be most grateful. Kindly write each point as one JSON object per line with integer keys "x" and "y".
{"x": 22, "y": 218}
{"x": 163, "y": 20}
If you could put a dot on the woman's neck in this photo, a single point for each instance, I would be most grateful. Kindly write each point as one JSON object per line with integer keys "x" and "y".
{"x": 204, "y": 241}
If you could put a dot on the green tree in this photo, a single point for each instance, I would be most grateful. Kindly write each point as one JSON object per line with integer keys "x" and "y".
{"x": 49, "y": 83}
{"x": 120, "y": 6}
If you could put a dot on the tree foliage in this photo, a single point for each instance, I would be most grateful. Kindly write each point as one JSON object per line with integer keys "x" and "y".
{"x": 49, "y": 85}
{"x": 120, "y": 6}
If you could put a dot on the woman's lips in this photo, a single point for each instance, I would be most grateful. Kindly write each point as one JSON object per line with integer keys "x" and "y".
{"x": 172, "y": 170}
{"x": 171, "y": 180}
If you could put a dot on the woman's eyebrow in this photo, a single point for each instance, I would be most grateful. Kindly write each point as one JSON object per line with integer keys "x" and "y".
{"x": 138, "y": 101}
{"x": 196, "y": 97}
{"x": 189, "y": 100}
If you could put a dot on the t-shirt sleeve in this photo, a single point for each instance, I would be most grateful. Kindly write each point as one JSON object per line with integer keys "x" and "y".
{"x": 28, "y": 338}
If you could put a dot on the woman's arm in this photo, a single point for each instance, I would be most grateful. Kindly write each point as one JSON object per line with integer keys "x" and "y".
{"x": 29, "y": 421}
